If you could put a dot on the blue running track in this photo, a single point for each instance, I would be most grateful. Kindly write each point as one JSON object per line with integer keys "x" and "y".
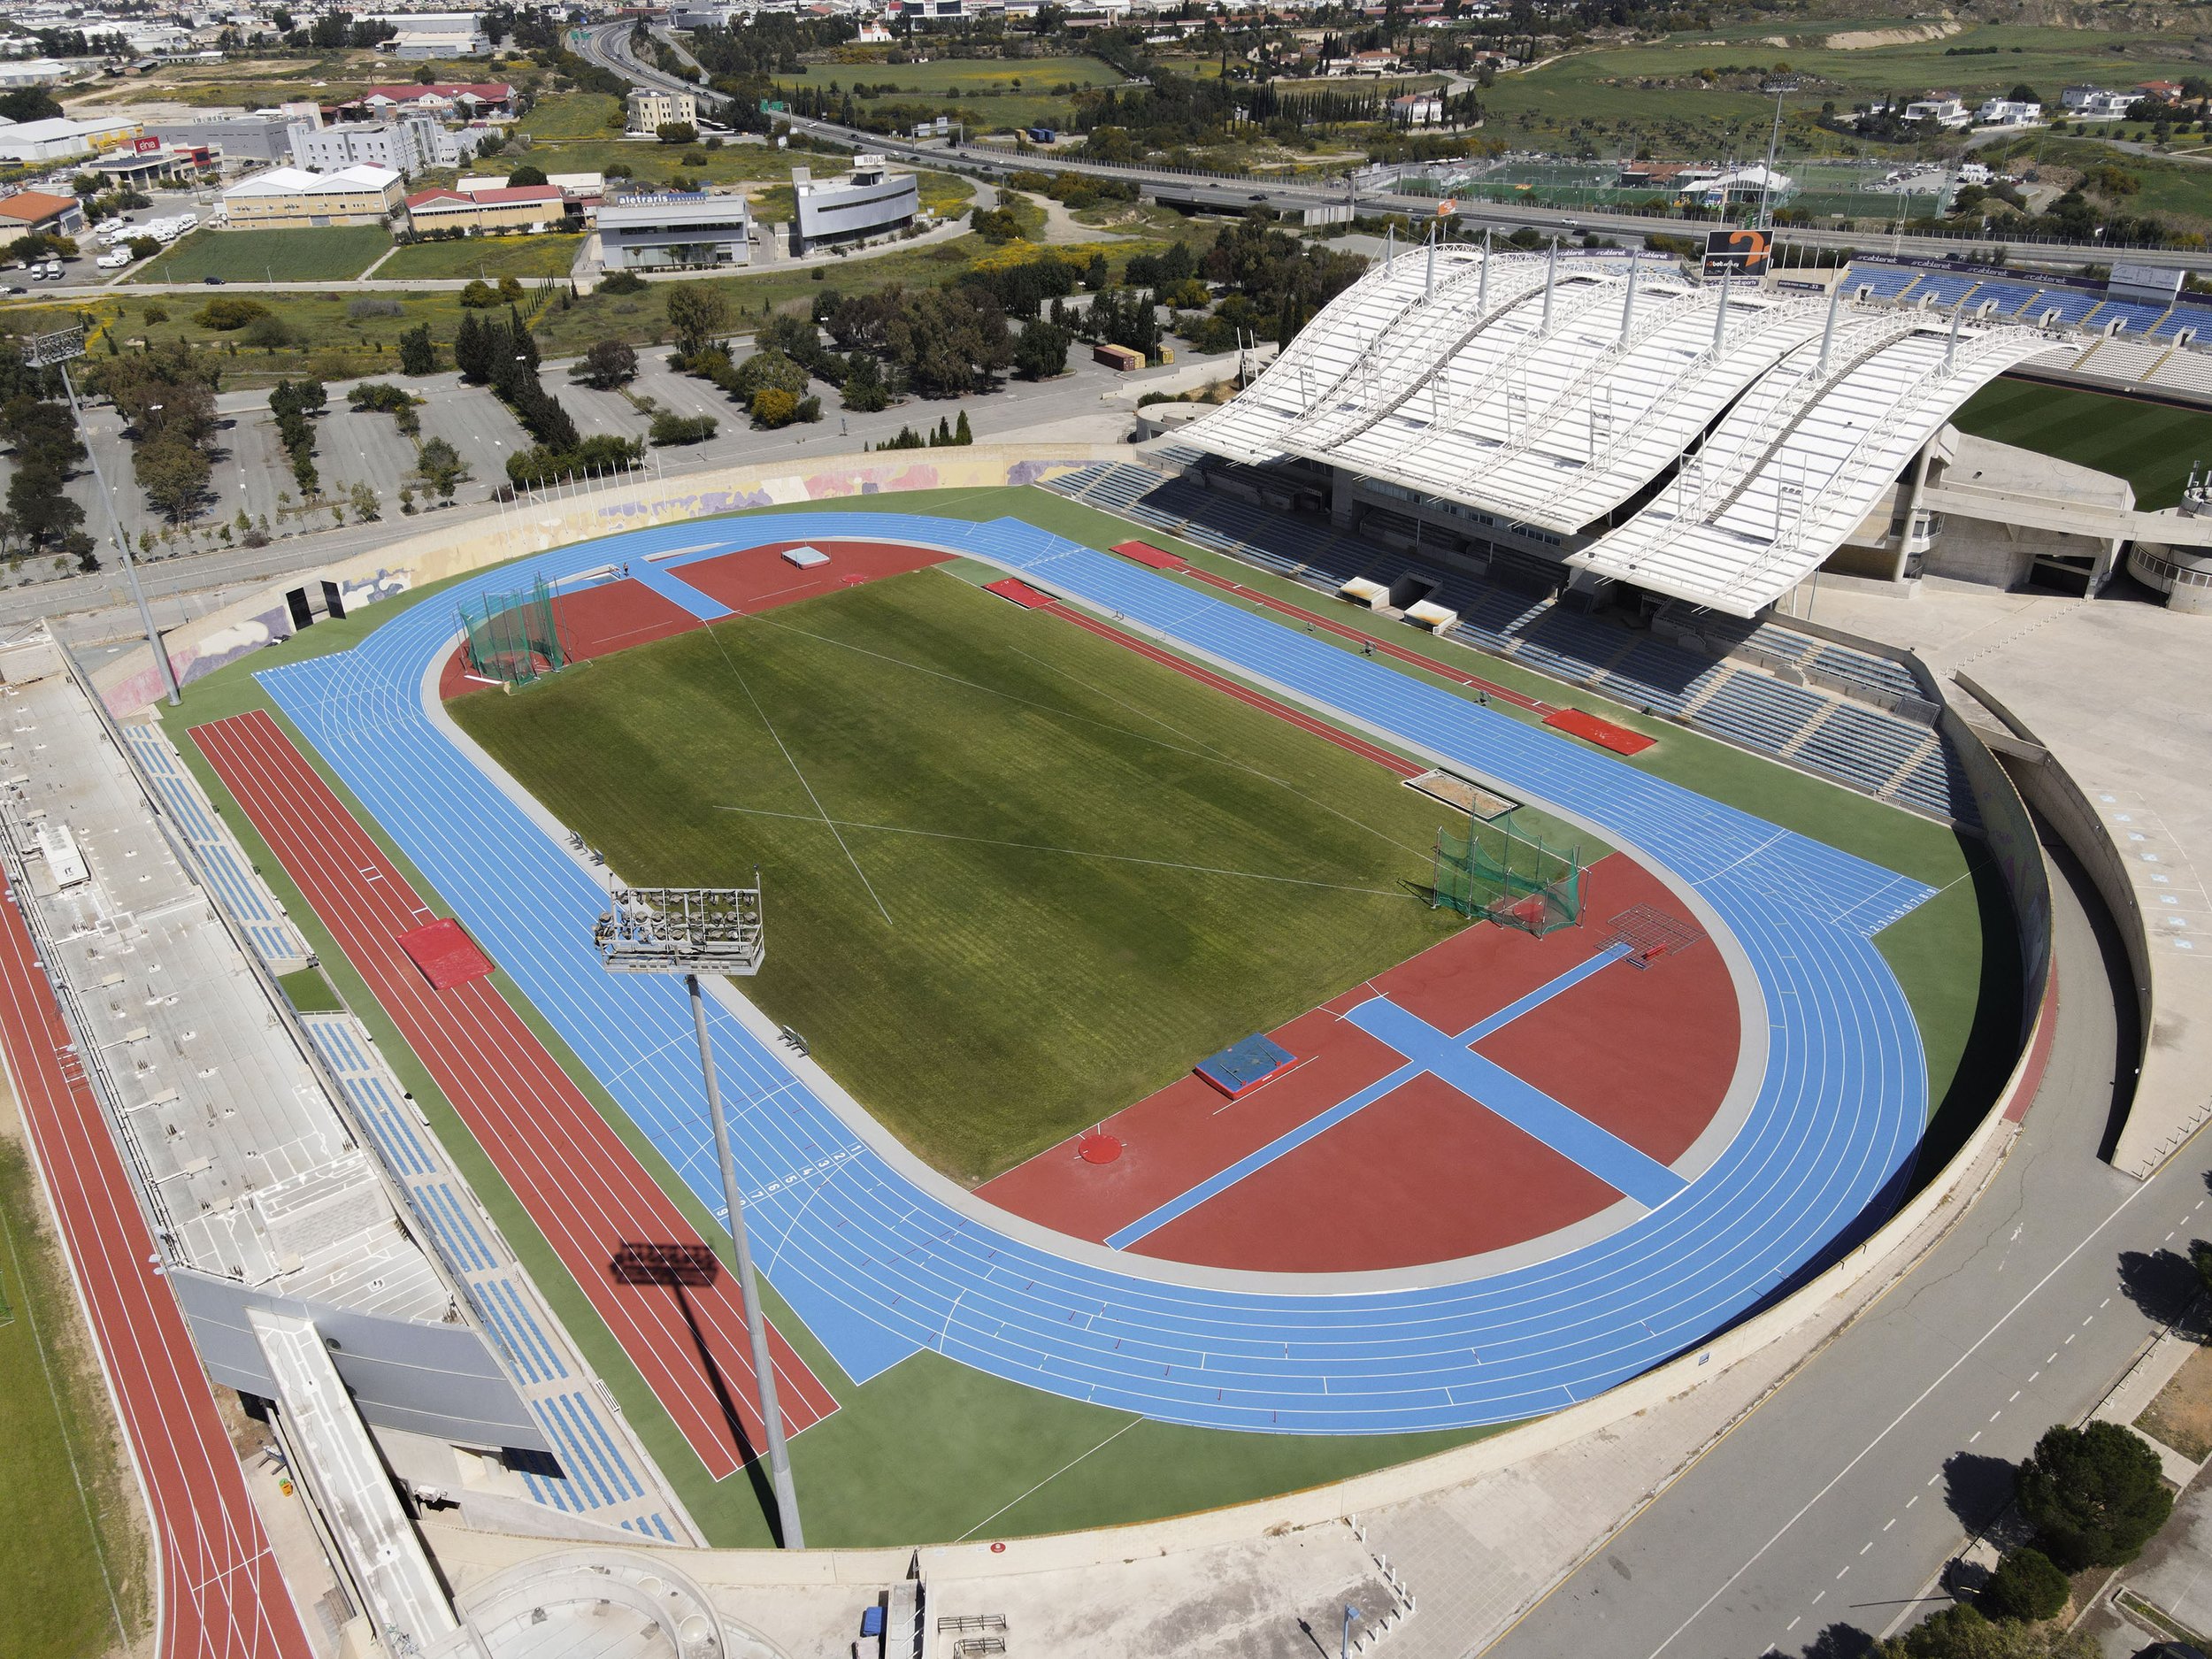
{"x": 881, "y": 1266}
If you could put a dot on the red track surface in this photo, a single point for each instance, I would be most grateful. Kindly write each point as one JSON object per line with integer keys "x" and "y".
{"x": 1503, "y": 694}
{"x": 593, "y": 622}
{"x": 219, "y": 1590}
{"x": 1298, "y": 718}
{"x": 756, "y": 578}
{"x": 581, "y": 1185}
{"x": 1424, "y": 1174}
{"x": 1604, "y": 733}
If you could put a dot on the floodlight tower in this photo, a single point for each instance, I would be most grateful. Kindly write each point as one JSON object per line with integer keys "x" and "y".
{"x": 709, "y": 930}
{"x": 57, "y": 350}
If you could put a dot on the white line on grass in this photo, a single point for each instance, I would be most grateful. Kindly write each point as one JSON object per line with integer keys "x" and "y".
{"x": 1047, "y": 1481}
{"x": 1201, "y": 753}
{"x": 819, "y": 809}
{"x": 1071, "y": 852}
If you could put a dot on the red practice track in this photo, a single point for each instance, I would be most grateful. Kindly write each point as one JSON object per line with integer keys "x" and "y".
{"x": 1397, "y": 653}
{"x": 1423, "y": 1174}
{"x": 581, "y": 1185}
{"x": 1298, "y": 718}
{"x": 220, "y": 1593}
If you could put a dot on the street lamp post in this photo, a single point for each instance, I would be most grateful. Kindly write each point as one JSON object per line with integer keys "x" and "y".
{"x": 709, "y": 930}
{"x": 57, "y": 350}
{"x": 1344, "y": 1645}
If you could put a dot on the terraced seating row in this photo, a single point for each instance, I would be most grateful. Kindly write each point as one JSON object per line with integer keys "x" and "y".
{"x": 1759, "y": 713}
{"x": 1861, "y": 746}
{"x": 1802, "y": 724}
{"x": 1123, "y": 485}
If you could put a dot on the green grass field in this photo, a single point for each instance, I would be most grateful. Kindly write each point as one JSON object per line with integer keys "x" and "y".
{"x": 574, "y": 115}
{"x": 1061, "y": 873}
{"x": 986, "y": 95}
{"x": 334, "y": 253}
{"x": 490, "y": 257}
{"x": 1647, "y": 91}
{"x": 72, "y": 1567}
{"x": 2151, "y": 445}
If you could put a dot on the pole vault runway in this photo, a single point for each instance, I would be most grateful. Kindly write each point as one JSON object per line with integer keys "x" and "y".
{"x": 882, "y": 1258}
{"x": 219, "y": 1594}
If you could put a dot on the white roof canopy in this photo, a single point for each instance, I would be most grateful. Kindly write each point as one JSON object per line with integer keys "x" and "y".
{"x": 1552, "y": 391}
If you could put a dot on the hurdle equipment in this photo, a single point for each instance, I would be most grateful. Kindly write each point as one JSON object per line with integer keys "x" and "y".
{"x": 1244, "y": 1066}
{"x": 1650, "y": 935}
{"x": 512, "y": 638}
{"x": 1496, "y": 871}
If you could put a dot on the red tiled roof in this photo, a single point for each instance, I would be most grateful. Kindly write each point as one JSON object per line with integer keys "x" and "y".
{"x": 490, "y": 91}
{"x": 32, "y": 207}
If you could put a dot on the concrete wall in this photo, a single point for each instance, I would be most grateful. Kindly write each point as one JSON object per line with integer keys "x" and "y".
{"x": 2173, "y": 1099}
{"x": 132, "y": 681}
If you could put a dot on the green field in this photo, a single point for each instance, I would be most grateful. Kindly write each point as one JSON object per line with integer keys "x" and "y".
{"x": 574, "y": 115}
{"x": 1647, "y": 93}
{"x": 72, "y": 1570}
{"x": 1060, "y": 872}
{"x": 2151, "y": 445}
{"x": 987, "y": 95}
{"x": 490, "y": 257}
{"x": 334, "y": 253}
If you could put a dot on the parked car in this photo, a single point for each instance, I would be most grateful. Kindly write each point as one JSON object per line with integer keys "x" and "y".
{"x": 213, "y": 281}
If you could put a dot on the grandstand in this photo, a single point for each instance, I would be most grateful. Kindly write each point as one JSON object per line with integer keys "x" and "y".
{"x": 1841, "y": 712}
{"x": 1689, "y": 439}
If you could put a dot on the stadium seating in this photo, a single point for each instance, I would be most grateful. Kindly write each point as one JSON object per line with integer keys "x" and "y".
{"x": 1808, "y": 725}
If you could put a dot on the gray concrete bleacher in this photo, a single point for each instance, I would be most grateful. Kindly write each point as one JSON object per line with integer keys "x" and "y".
{"x": 1728, "y": 694}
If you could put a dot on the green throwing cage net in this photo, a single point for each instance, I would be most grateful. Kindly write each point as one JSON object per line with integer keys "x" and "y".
{"x": 1514, "y": 880}
{"x": 512, "y": 637}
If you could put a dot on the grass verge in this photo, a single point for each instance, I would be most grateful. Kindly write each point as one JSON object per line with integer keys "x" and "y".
{"x": 73, "y": 1560}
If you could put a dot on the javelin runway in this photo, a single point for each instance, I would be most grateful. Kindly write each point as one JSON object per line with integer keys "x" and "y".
{"x": 881, "y": 1260}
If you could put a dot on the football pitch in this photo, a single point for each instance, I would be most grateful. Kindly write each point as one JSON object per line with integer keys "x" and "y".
{"x": 1017, "y": 875}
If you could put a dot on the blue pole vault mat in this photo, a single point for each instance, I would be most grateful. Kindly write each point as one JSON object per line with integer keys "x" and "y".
{"x": 1244, "y": 1066}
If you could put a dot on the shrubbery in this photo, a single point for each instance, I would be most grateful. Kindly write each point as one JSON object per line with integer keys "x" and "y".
{"x": 675, "y": 429}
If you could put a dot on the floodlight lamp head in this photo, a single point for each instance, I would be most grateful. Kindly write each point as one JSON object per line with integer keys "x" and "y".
{"x": 681, "y": 930}
{"x": 59, "y": 345}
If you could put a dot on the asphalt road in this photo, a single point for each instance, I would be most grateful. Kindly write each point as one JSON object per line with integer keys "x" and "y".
{"x": 353, "y": 446}
{"x": 1825, "y": 1517}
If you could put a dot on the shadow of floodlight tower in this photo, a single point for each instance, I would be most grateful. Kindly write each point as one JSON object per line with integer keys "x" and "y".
{"x": 57, "y": 350}
{"x": 709, "y": 930}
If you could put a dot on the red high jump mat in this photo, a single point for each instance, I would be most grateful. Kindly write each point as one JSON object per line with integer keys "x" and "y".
{"x": 1145, "y": 553}
{"x": 1020, "y": 592}
{"x": 445, "y": 954}
{"x": 1604, "y": 733}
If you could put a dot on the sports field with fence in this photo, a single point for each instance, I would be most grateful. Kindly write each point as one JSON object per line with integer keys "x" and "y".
{"x": 1017, "y": 874}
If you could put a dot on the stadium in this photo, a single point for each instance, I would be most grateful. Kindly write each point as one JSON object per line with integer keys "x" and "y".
{"x": 1280, "y": 955}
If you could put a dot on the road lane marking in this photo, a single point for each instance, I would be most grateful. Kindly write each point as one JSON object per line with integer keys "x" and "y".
{"x": 1866, "y": 1451}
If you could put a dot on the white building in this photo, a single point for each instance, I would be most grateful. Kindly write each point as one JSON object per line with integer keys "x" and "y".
{"x": 36, "y": 72}
{"x": 2008, "y": 112}
{"x": 292, "y": 196}
{"x": 427, "y": 34}
{"x": 1944, "y": 112}
{"x": 870, "y": 201}
{"x": 2095, "y": 103}
{"x": 651, "y": 109}
{"x": 640, "y": 232}
{"x": 407, "y": 147}
{"x": 32, "y": 142}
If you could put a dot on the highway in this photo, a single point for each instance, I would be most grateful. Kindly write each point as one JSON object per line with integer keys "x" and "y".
{"x": 1839, "y": 1501}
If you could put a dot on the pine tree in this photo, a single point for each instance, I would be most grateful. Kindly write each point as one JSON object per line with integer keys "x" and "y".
{"x": 961, "y": 435}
